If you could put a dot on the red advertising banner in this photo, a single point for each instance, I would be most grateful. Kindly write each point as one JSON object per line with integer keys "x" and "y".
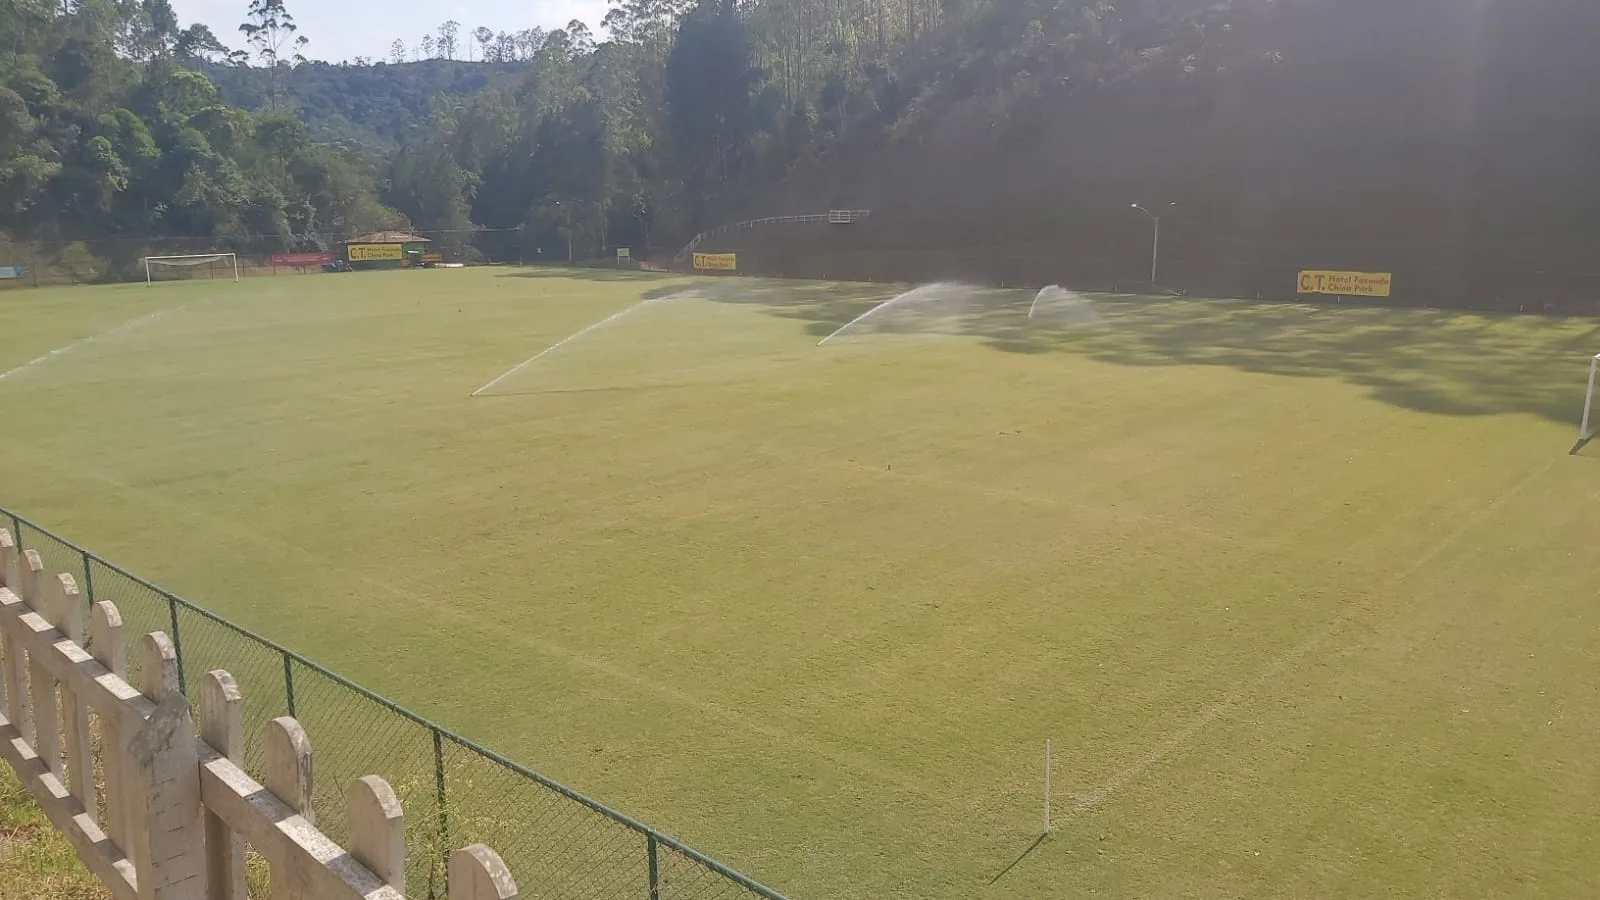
{"x": 301, "y": 260}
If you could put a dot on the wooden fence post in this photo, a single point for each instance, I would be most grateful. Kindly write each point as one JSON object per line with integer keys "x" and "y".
{"x": 105, "y": 645}
{"x": 10, "y": 691}
{"x": 68, "y": 617}
{"x": 43, "y": 729}
{"x": 288, "y": 776}
{"x": 105, "y": 638}
{"x": 222, "y": 726}
{"x": 158, "y": 666}
{"x": 31, "y": 567}
{"x": 175, "y": 847}
{"x": 167, "y": 833}
{"x": 478, "y": 873}
{"x": 8, "y": 553}
{"x": 378, "y": 830}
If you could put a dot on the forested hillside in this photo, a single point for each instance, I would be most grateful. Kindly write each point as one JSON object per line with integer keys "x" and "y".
{"x": 690, "y": 112}
{"x": 1449, "y": 142}
{"x": 112, "y": 143}
{"x": 365, "y": 108}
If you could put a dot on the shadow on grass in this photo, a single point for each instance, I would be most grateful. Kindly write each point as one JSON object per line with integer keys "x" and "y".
{"x": 1456, "y": 363}
{"x": 1018, "y": 861}
{"x": 586, "y": 273}
{"x": 1446, "y": 362}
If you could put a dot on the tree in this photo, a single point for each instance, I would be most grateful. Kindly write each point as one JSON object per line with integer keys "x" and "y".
{"x": 428, "y": 185}
{"x": 448, "y": 35}
{"x": 484, "y": 37}
{"x": 528, "y": 42}
{"x": 270, "y": 29}
{"x": 153, "y": 30}
{"x": 198, "y": 43}
{"x": 397, "y": 51}
{"x": 582, "y": 38}
{"x": 648, "y": 24}
{"x": 427, "y": 46}
{"x": 108, "y": 128}
{"x": 709, "y": 80}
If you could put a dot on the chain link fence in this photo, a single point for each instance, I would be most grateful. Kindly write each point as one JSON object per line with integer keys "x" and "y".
{"x": 559, "y": 844}
{"x": 1504, "y": 272}
{"x": 25, "y": 264}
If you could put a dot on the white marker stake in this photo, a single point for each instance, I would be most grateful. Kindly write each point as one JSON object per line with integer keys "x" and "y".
{"x": 1588, "y": 399}
{"x": 1047, "y": 787}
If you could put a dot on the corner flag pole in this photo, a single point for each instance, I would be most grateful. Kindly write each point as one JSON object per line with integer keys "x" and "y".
{"x": 1588, "y": 399}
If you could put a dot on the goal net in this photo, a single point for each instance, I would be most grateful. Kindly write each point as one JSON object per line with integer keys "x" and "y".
{"x": 1590, "y": 421}
{"x": 196, "y": 265}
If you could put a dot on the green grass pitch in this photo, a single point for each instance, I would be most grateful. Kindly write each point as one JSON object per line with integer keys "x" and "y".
{"x": 1305, "y": 597}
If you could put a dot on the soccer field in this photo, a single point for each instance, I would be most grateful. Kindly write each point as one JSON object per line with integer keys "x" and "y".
{"x": 1304, "y": 597}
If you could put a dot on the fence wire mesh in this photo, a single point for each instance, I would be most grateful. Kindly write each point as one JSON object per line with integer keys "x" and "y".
{"x": 143, "y": 608}
{"x": 558, "y": 844}
{"x": 122, "y": 258}
{"x": 568, "y": 850}
{"x": 682, "y": 878}
{"x": 208, "y": 644}
{"x": 354, "y": 735}
{"x": 56, "y": 554}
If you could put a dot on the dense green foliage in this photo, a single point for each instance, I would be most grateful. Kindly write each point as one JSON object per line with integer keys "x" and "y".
{"x": 108, "y": 131}
{"x": 554, "y": 141}
{"x": 1439, "y": 141}
{"x": 688, "y": 109}
{"x": 120, "y": 128}
{"x": 691, "y": 108}
{"x": 368, "y": 109}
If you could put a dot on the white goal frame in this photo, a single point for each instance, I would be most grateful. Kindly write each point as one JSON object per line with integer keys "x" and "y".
{"x": 1584, "y": 433}
{"x": 200, "y": 259}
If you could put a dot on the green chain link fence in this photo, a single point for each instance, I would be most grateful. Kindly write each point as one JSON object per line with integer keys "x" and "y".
{"x": 558, "y": 843}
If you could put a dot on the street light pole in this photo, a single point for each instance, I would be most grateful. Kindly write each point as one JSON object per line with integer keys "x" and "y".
{"x": 568, "y": 211}
{"x": 1155, "y": 250}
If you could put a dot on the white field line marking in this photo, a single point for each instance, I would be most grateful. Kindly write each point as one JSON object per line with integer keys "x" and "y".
{"x": 725, "y": 717}
{"x": 561, "y": 343}
{"x": 859, "y": 763}
{"x": 1186, "y": 735}
{"x": 125, "y": 326}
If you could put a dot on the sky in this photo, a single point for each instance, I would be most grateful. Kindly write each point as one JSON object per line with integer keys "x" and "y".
{"x": 344, "y": 29}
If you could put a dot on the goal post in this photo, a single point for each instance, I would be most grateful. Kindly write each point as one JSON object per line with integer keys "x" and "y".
{"x": 186, "y": 261}
{"x": 1584, "y": 432}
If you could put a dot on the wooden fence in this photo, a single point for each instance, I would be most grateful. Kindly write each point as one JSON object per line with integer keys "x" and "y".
{"x": 158, "y": 811}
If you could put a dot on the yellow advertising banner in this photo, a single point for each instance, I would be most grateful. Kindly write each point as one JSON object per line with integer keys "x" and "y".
{"x": 717, "y": 262}
{"x": 1347, "y": 284}
{"x": 376, "y": 252}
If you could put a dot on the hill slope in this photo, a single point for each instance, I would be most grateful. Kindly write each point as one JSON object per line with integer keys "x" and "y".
{"x": 370, "y": 108}
{"x": 1449, "y": 143}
